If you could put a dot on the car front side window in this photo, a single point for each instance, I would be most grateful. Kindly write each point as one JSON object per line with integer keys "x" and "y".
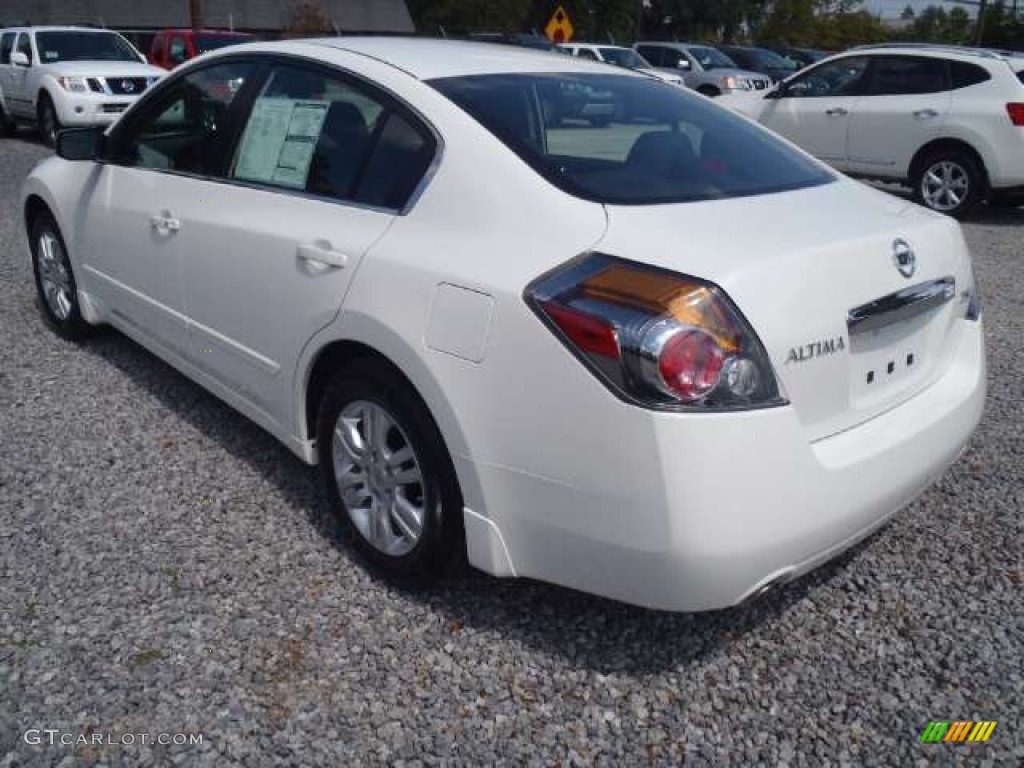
{"x": 842, "y": 77}
{"x": 25, "y": 45}
{"x": 184, "y": 128}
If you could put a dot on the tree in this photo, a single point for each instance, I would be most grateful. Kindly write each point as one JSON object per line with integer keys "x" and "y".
{"x": 305, "y": 19}
{"x": 908, "y": 13}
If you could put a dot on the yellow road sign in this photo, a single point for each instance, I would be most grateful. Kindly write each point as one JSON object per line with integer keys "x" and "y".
{"x": 559, "y": 28}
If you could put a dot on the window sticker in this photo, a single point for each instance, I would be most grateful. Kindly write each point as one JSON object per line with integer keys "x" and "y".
{"x": 279, "y": 140}
{"x": 51, "y": 55}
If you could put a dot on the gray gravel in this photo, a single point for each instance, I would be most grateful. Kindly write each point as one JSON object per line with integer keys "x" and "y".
{"x": 166, "y": 567}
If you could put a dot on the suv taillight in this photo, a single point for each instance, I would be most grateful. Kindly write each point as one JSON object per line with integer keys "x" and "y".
{"x": 656, "y": 338}
{"x": 1016, "y": 112}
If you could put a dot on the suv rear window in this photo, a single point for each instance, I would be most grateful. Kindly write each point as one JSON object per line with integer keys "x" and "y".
{"x": 963, "y": 74}
{"x": 630, "y": 140}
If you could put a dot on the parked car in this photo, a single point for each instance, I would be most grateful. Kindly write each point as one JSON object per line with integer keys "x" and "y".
{"x": 690, "y": 363}
{"x": 801, "y": 57}
{"x": 703, "y": 68}
{"x": 171, "y": 47}
{"x": 948, "y": 122}
{"x": 521, "y": 39}
{"x": 621, "y": 57}
{"x": 62, "y": 76}
{"x": 760, "y": 60}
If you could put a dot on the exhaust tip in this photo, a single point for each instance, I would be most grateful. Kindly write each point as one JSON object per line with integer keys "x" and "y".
{"x": 770, "y": 586}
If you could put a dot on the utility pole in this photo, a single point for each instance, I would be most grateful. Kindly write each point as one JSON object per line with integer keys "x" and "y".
{"x": 979, "y": 33}
{"x": 195, "y": 14}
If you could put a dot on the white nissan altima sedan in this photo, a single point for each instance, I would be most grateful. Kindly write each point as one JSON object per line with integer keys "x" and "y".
{"x": 672, "y": 360}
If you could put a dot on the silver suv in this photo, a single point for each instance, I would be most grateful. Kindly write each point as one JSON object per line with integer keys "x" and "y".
{"x": 704, "y": 69}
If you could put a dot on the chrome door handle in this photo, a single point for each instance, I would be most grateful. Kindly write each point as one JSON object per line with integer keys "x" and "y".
{"x": 925, "y": 113}
{"x": 164, "y": 224}
{"x": 322, "y": 253}
{"x": 837, "y": 112}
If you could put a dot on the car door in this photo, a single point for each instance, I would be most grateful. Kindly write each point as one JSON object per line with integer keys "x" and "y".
{"x": 813, "y": 110}
{"x": 321, "y": 168}
{"x": 904, "y": 105}
{"x": 130, "y": 235}
{"x": 22, "y": 102}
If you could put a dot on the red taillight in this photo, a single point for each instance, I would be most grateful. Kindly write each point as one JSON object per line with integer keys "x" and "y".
{"x": 690, "y": 363}
{"x": 1016, "y": 112}
{"x": 656, "y": 337}
{"x": 588, "y": 332}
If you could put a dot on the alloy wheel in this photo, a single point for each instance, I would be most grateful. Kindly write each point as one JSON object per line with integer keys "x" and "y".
{"x": 54, "y": 276}
{"x": 945, "y": 185}
{"x": 379, "y": 478}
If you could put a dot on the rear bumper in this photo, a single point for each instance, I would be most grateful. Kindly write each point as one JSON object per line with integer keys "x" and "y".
{"x": 737, "y": 501}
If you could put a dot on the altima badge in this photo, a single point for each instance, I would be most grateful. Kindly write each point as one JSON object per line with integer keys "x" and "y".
{"x": 816, "y": 349}
{"x": 903, "y": 257}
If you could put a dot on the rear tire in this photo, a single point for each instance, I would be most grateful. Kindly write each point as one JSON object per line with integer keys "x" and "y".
{"x": 950, "y": 181}
{"x": 55, "y": 280}
{"x": 388, "y": 476}
{"x": 49, "y": 123}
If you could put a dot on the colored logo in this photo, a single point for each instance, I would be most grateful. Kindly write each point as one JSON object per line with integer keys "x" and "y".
{"x": 959, "y": 730}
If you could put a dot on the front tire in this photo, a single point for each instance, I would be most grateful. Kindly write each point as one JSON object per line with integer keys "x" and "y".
{"x": 49, "y": 123}
{"x": 949, "y": 181}
{"x": 55, "y": 280}
{"x": 388, "y": 475}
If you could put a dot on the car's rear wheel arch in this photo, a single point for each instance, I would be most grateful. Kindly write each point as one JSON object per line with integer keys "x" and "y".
{"x": 937, "y": 146}
{"x": 337, "y": 355}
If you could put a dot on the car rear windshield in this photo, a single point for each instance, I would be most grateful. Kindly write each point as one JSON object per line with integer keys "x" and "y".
{"x": 83, "y": 46}
{"x": 630, "y": 140}
{"x": 208, "y": 42}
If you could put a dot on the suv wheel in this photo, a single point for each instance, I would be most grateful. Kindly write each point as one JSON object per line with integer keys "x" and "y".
{"x": 49, "y": 123}
{"x": 55, "y": 282}
{"x": 949, "y": 181}
{"x": 7, "y": 126}
{"x": 388, "y": 475}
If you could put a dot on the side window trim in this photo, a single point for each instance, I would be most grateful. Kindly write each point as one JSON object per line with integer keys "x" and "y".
{"x": 390, "y": 104}
{"x": 867, "y": 82}
{"x": 241, "y": 108}
{"x": 122, "y": 129}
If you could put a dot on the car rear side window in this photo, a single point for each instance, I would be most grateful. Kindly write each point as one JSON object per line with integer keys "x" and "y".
{"x": 313, "y": 132}
{"x": 654, "y": 54}
{"x": 906, "y": 75}
{"x": 6, "y": 46}
{"x": 963, "y": 74}
{"x": 630, "y": 140}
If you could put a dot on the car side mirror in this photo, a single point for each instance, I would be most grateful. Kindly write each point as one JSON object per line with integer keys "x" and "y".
{"x": 81, "y": 143}
{"x": 683, "y": 64}
{"x": 19, "y": 59}
{"x": 778, "y": 92}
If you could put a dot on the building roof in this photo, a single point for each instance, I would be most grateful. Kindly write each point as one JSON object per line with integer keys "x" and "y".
{"x": 345, "y": 15}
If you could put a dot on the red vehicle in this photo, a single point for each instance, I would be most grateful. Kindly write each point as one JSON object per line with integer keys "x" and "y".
{"x": 171, "y": 47}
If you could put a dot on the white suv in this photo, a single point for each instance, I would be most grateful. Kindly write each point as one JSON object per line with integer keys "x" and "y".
{"x": 946, "y": 121}
{"x": 61, "y": 76}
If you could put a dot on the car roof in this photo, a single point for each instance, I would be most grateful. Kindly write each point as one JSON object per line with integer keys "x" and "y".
{"x": 430, "y": 58}
{"x": 964, "y": 53}
{"x": 55, "y": 28}
{"x": 593, "y": 45}
{"x": 202, "y": 31}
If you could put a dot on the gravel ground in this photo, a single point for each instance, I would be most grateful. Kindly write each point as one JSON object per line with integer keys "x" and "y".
{"x": 166, "y": 567}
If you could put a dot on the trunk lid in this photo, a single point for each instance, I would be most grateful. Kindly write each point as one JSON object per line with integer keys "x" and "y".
{"x": 796, "y": 264}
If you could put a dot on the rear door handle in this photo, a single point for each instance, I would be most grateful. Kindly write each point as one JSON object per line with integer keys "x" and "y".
{"x": 164, "y": 223}
{"x": 925, "y": 113}
{"x": 322, "y": 253}
{"x": 837, "y": 112}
